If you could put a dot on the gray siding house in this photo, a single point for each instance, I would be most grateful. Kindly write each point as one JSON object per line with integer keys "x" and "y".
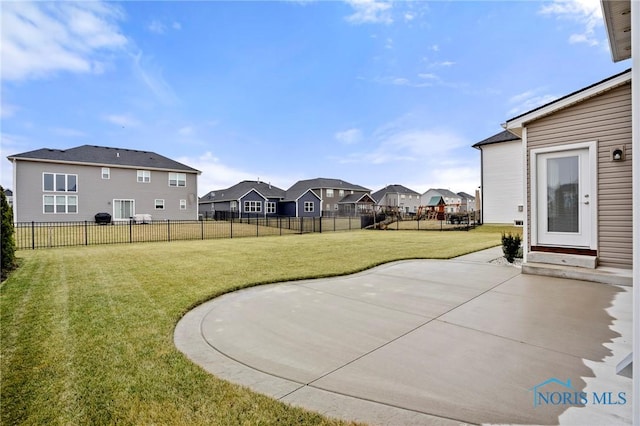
{"x": 53, "y": 185}
{"x": 452, "y": 200}
{"x": 244, "y": 199}
{"x": 392, "y": 196}
{"x": 337, "y": 196}
{"x": 301, "y": 202}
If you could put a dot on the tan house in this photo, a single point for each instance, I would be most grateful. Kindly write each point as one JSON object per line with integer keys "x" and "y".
{"x": 577, "y": 162}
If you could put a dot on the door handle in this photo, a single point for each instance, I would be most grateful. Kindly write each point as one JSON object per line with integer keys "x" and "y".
{"x": 586, "y": 202}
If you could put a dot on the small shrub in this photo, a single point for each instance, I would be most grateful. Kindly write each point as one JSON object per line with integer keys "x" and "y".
{"x": 7, "y": 243}
{"x": 511, "y": 246}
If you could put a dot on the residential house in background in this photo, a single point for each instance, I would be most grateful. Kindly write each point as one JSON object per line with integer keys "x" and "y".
{"x": 9, "y": 194}
{"x": 54, "y": 185}
{"x": 468, "y": 204}
{"x": 452, "y": 200}
{"x": 397, "y": 196}
{"x": 244, "y": 199}
{"x": 501, "y": 179}
{"x": 578, "y": 175}
{"x": 301, "y": 201}
{"x": 338, "y": 196}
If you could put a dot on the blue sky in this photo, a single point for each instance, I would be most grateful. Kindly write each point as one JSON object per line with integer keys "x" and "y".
{"x": 371, "y": 92}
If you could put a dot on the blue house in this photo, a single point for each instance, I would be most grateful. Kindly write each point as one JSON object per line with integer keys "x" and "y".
{"x": 247, "y": 199}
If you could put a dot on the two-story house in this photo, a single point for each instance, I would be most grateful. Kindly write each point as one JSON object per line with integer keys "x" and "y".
{"x": 397, "y": 196}
{"x": 244, "y": 199}
{"x": 337, "y": 196}
{"x": 468, "y": 202}
{"x": 54, "y": 185}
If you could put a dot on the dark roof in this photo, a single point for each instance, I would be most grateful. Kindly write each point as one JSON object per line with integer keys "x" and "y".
{"x": 571, "y": 94}
{"x": 356, "y": 198}
{"x": 303, "y": 186}
{"x": 105, "y": 156}
{"x": 393, "y": 189}
{"x": 238, "y": 190}
{"x": 504, "y": 136}
{"x": 465, "y": 195}
{"x": 444, "y": 192}
{"x": 8, "y": 193}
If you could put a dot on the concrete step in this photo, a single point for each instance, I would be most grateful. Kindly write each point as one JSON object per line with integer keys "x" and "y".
{"x": 599, "y": 275}
{"x": 563, "y": 259}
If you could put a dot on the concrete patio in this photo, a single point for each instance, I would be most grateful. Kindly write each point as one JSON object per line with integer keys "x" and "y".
{"x": 425, "y": 342}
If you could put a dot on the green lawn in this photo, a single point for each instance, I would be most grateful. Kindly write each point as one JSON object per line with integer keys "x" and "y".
{"x": 87, "y": 332}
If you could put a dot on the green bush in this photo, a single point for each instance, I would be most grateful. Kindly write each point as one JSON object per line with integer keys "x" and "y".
{"x": 511, "y": 246}
{"x": 7, "y": 243}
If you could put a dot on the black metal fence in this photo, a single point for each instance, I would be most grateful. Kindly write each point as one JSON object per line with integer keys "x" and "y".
{"x": 34, "y": 235}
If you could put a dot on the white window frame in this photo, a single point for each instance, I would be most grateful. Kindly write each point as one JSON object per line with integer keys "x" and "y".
{"x": 329, "y": 193}
{"x": 233, "y": 205}
{"x": 143, "y": 176}
{"x": 54, "y": 203}
{"x": 106, "y": 173}
{"x": 183, "y": 204}
{"x": 158, "y": 204}
{"x": 55, "y": 180}
{"x": 271, "y": 207}
{"x": 252, "y": 207}
{"x": 309, "y": 206}
{"x": 341, "y": 193}
{"x": 175, "y": 181}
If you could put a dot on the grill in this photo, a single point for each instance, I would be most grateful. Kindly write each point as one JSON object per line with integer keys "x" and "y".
{"x": 103, "y": 218}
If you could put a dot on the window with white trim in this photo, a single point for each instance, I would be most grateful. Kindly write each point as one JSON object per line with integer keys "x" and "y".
{"x": 233, "y": 206}
{"x": 60, "y": 204}
{"x": 144, "y": 176}
{"x": 106, "y": 173}
{"x": 308, "y": 206}
{"x": 159, "y": 204}
{"x": 252, "y": 206}
{"x": 341, "y": 193}
{"x": 177, "y": 179}
{"x": 183, "y": 204}
{"x": 329, "y": 193}
{"x": 59, "y": 182}
{"x": 271, "y": 207}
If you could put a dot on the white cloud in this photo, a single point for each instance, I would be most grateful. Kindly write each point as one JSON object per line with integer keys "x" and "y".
{"x": 156, "y": 27}
{"x": 428, "y": 76}
{"x": 151, "y": 75}
{"x": 10, "y": 144}
{"x": 587, "y": 13}
{"x": 176, "y": 26}
{"x": 370, "y": 12}
{"x": 40, "y": 39}
{"x": 349, "y": 137}
{"x": 389, "y": 44}
{"x": 7, "y": 110}
{"x": 122, "y": 120}
{"x": 216, "y": 175}
{"x": 529, "y": 100}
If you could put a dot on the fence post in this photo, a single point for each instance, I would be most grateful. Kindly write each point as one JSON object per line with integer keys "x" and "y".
{"x": 86, "y": 238}
{"x": 349, "y": 222}
{"x": 130, "y": 230}
{"x": 168, "y": 230}
{"x": 257, "y": 227}
{"x": 33, "y": 235}
{"x": 202, "y": 228}
{"x": 231, "y": 227}
{"x": 320, "y": 219}
{"x": 301, "y": 223}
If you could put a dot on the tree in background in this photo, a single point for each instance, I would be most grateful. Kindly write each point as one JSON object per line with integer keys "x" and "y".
{"x": 7, "y": 243}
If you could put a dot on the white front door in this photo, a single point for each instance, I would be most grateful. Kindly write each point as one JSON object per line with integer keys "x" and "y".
{"x": 565, "y": 202}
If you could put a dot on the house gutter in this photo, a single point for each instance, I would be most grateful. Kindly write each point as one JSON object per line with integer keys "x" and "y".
{"x": 635, "y": 143}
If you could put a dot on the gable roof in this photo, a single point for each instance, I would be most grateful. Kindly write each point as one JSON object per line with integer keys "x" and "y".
{"x": 240, "y": 189}
{"x": 435, "y": 201}
{"x": 503, "y": 136}
{"x": 357, "y": 198}
{"x": 105, "y": 156}
{"x": 465, "y": 195}
{"x": 516, "y": 124}
{"x": 444, "y": 192}
{"x": 302, "y": 186}
{"x": 393, "y": 189}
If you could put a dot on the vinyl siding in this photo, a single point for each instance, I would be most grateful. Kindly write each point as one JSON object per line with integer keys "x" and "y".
{"x": 96, "y": 194}
{"x": 502, "y": 182}
{"x": 605, "y": 118}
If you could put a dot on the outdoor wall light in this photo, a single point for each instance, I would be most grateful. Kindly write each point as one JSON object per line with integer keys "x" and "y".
{"x": 617, "y": 153}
